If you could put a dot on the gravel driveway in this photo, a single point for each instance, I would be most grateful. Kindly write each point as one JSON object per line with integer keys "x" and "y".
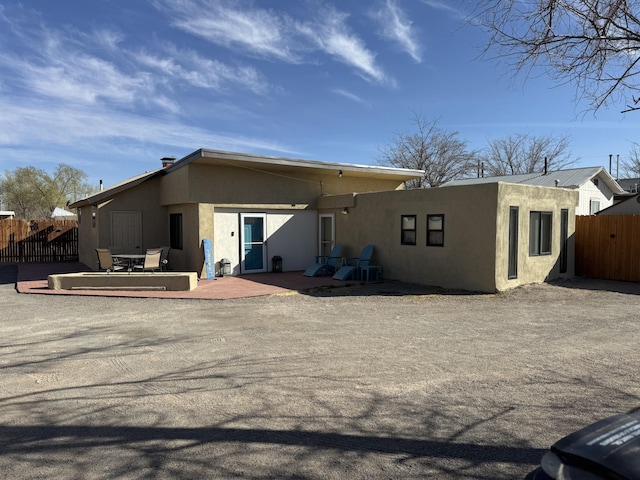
{"x": 376, "y": 382}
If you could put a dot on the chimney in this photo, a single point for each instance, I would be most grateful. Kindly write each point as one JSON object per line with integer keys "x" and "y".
{"x": 167, "y": 161}
{"x": 101, "y": 185}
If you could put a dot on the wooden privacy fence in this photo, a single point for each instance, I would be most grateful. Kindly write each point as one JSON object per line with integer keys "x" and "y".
{"x": 608, "y": 246}
{"x": 38, "y": 240}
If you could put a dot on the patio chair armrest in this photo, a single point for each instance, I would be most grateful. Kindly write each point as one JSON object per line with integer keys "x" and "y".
{"x": 350, "y": 261}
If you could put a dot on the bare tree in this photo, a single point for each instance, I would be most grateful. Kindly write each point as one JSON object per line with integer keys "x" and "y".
{"x": 441, "y": 154}
{"x": 591, "y": 43}
{"x": 522, "y": 153}
{"x": 631, "y": 166}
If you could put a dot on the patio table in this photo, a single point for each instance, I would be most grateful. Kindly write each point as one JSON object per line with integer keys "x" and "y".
{"x": 131, "y": 258}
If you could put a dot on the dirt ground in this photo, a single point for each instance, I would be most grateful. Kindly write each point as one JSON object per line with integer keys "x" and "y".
{"x": 381, "y": 381}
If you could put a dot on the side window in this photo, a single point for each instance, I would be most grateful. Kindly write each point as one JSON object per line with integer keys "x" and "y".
{"x": 540, "y": 233}
{"x": 514, "y": 213}
{"x": 594, "y": 206}
{"x": 435, "y": 230}
{"x": 175, "y": 231}
{"x": 408, "y": 230}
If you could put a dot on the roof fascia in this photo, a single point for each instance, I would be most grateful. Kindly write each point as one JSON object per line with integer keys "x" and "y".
{"x": 233, "y": 157}
{"x": 110, "y": 192}
{"x": 609, "y": 181}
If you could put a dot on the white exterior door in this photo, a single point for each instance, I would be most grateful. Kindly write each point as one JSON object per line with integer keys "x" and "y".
{"x": 126, "y": 228}
{"x": 253, "y": 242}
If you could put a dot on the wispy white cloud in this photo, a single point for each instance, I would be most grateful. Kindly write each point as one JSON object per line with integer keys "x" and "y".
{"x": 93, "y": 67}
{"x": 89, "y": 127}
{"x": 201, "y": 72}
{"x": 351, "y": 96}
{"x": 446, "y": 7}
{"x": 53, "y": 64}
{"x": 62, "y": 89}
{"x": 109, "y": 39}
{"x": 332, "y": 35}
{"x": 263, "y": 33}
{"x": 255, "y": 31}
{"x": 396, "y": 27}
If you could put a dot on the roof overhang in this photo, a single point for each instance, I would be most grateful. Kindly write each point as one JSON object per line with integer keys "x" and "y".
{"x": 110, "y": 192}
{"x": 277, "y": 165}
{"x": 290, "y": 165}
{"x": 609, "y": 181}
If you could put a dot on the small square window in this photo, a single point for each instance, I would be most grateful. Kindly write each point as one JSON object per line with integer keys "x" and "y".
{"x": 408, "y": 230}
{"x": 435, "y": 230}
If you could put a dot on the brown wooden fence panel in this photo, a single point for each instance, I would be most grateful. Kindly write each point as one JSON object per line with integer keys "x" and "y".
{"x": 608, "y": 247}
{"x": 38, "y": 240}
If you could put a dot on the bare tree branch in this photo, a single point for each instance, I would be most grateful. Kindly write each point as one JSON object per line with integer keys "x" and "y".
{"x": 439, "y": 153}
{"x": 594, "y": 44}
{"x": 521, "y": 153}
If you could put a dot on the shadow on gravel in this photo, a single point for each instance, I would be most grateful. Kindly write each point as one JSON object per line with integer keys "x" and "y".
{"x": 579, "y": 283}
{"x": 44, "y": 439}
{"x": 387, "y": 288}
{"x": 8, "y": 274}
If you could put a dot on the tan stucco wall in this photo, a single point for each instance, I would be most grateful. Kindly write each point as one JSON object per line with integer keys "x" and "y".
{"x": 475, "y": 252}
{"x": 533, "y": 269}
{"x": 191, "y": 257}
{"x": 144, "y": 199}
{"x": 227, "y": 185}
{"x": 467, "y": 259}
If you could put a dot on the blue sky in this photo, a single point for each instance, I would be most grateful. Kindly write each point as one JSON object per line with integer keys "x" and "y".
{"x": 111, "y": 86}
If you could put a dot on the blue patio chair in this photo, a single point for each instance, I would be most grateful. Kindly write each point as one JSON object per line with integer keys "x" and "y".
{"x": 325, "y": 264}
{"x": 353, "y": 266}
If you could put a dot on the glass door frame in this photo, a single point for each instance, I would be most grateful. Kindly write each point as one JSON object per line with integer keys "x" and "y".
{"x": 323, "y": 243}
{"x": 243, "y": 268}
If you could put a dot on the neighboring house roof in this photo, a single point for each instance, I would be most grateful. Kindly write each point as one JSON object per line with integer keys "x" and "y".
{"x": 257, "y": 163}
{"x": 570, "y": 178}
{"x": 61, "y": 212}
{"x": 628, "y": 205}
{"x": 630, "y": 185}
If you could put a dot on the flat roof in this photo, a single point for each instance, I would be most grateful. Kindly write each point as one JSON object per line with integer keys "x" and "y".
{"x": 283, "y": 164}
{"x": 255, "y": 162}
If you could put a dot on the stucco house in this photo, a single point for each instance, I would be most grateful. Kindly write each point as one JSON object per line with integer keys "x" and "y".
{"x": 597, "y": 188}
{"x": 486, "y": 237}
{"x": 251, "y": 207}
